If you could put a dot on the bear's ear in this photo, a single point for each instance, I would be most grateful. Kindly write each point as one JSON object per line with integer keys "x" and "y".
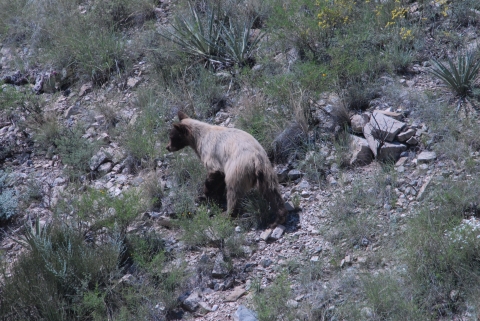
{"x": 181, "y": 128}
{"x": 182, "y": 115}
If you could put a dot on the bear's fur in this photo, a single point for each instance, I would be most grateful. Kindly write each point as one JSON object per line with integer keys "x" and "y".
{"x": 235, "y": 162}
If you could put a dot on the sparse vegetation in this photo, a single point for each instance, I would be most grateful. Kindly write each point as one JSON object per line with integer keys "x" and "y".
{"x": 359, "y": 244}
{"x": 8, "y": 199}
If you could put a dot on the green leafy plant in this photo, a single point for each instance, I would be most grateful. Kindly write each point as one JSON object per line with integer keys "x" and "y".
{"x": 458, "y": 77}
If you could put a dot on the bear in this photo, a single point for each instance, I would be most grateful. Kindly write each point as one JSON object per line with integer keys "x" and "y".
{"x": 235, "y": 163}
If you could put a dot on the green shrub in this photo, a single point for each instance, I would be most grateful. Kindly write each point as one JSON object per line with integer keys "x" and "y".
{"x": 270, "y": 303}
{"x": 75, "y": 150}
{"x": 103, "y": 210}
{"x": 443, "y": 248}
{"x": 8, "y": 199}
{"x": 206, "y": 226}
{"x": 215, "y": 38}
{"x": 161, "y": 277}
{"x": 188, "y": 175}
{"x": 390, "y": 299}
{"x": 58, "y": 261}
{"x": 142, "y": 138}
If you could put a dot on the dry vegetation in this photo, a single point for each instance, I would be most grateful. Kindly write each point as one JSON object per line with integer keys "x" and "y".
{"x": 266, "y": 64}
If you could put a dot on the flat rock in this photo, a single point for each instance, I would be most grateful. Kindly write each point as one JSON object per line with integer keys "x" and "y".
{"x": 235, "y": 294}
{"x": 412, "y": 141}
{"x": 426, "y": 157}
{"x": 277, "y": 232}
{"x": 133, "y": 82}
{"x": 266, "y": 234}
{"x": 191, "y": 303}
{"x": 389, "y": 151}
{"x": 406, "y": 135}
{"x": 99, "y": 158}
{"x": 384, "y": 127}
{"x": 289, "y": 206}
{"x": 294, "y": 174}
{"x": 85, "y": 89}
{"x": 245, "y": 314}
{"x": 392, "y": 114}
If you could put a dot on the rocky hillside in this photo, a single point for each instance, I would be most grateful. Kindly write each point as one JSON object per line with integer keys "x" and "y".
{"x": 369, "y": 112}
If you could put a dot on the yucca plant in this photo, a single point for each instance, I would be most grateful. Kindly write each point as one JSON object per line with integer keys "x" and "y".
{"x": 239, "y": 42}
{"x": 196, "y": 40}
{"x": 459, "y": 77}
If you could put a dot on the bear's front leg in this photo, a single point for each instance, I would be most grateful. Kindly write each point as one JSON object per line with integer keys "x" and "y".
{"x": 214, "y": 188}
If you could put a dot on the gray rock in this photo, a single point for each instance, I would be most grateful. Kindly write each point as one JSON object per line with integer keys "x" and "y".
{"x": 426, "y": 157}
{"x": 360, "y": 149}
{"x": 85, "y": 89}
{"x": 287, "y": 144}
{"x": 99, "y": 158}
{"x": 389, "y": 151}
{"x": 191, "y": 303}
{"x": 265, "y": 234}
{"x": 220, "y": 267}
{"x": 294, "y": 174}
{"x": 289, "y": 206}
{"x": 105, "y": 167}
{"x": 282, "y": 173}
{"x": 384, "y": 127}
{"x": 277, "y": 232}
{"x": 132, "y": 82}
{"x": 235, "y": 294}
{"x": 245, "y": 314}
{"x": 331, "y": 180}
{"x": 406, "y": 135}
{"x": 412, "y": 141}
{"x": 358, "y": 122}
{"x": 292, "y": 304}
{"x": 72, "y": 110}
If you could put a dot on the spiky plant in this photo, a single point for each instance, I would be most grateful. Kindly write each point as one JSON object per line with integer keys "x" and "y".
{"x": 240, "y": 43}
{"x": 196, "y": 40}
{"x": 458, "y": 77}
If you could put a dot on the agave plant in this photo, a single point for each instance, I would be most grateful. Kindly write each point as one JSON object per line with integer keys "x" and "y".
{"x": 459, "y": 77}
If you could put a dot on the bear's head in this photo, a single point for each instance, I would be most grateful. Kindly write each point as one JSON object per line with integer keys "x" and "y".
{"x": 180, "y": 135}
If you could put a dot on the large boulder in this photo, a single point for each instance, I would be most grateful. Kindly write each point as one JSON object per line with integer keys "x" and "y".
{"x": 361, "y": 153}
{"x": 286, "y": 145}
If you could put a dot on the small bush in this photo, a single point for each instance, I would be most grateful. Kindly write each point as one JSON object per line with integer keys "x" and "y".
{"x": 66, "y": 269}
{"x": 75, "y": 151}
{"x": 8, "y": 199}
{"x": 206, "y": 226}
{"x": 390, "y": 299}
{"x": 219, "y": 40}
{"x": 443, "y": 248}
{"x": 142, "y": 138}
{"x": 270, "y": 304}
{"x": 103, "y": 210}
{"x": 188, "y": 177}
